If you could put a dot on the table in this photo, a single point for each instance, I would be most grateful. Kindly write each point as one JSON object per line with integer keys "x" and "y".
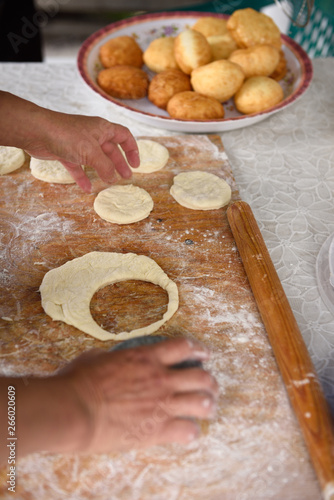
{"x": 283, "y": 168}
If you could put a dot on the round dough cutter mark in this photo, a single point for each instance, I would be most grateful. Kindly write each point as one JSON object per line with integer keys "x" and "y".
{"x": 138, "y": 302}
{"x": 67, "y": 291}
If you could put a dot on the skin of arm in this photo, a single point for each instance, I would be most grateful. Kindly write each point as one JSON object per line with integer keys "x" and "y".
{"x": 74, "y": 140}
{"x": 112, "y": 401}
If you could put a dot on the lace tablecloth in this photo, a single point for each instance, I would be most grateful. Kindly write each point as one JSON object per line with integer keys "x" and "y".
{"x": 283, "y": 166}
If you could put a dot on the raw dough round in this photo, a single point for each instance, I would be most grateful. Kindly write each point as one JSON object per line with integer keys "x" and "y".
{"x": 123, "y": 204}
{"x": 153, "y": 156}
{"x": 10, "y": 159}
{"x": 67, "y": 291}
{"x": 200, "y": 190}
{"x": 50, "y": 171}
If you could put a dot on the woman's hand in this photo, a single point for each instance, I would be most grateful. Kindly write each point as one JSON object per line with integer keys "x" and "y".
{"x": 74, "y": 140}
{"x": 113, "y": 401}
{"x": 135, "y": 399}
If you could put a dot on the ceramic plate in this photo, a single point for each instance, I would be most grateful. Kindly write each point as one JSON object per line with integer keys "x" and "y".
{"x": 146, "y": 28}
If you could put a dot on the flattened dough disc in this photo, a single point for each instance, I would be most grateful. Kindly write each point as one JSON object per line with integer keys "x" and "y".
{"x": 152, "y": 155}
{"x": 67, "y": 291}
{"x": 200, "y": 190}
{"x": 10, "y": 159}
{"x": 50, "y": 171}
{"x": 123, "y": 204}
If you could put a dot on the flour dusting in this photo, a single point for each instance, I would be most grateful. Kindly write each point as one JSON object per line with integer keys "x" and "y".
{"x": 253, "y": 449}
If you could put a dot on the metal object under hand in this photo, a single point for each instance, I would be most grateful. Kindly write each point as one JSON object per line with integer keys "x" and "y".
{"x": 299, "y": 12}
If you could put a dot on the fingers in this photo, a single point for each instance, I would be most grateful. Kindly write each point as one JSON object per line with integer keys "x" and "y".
{"x": 192, "y": 379}
{"x": 200, "y": 405}
{"x": 179, "y": 430}
{"x": 152, "y": 432}
{"x": 125, "y": 139}
{"x": 118, "y": 160}
{"x": 175, "y": 351}
{"x": 78, "y": 175}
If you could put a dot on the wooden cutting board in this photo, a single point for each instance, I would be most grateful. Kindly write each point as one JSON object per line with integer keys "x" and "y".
{"x": 254, "y": 449}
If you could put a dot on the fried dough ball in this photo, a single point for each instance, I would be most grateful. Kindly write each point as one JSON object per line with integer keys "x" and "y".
{"x": 121, "y": 50}
{"x": 222, "y": 46}
{"x": 124, "y": 82}
{"x": 259, "y": 60}
{"x": 191, "y": 50}
{"x": 257, "y": 94}
{"x": 249, "y": 27}
{"x": 281, "y": 68}
{"x": 211, "y": 26}
{"x": 190, "y": 105}
{"x": 159, "y": 55}
{"x": 219, "y": 79}
{"x": 166, "y": 84}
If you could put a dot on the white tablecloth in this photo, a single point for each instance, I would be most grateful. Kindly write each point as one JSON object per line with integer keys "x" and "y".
{"x": 283, "y": 166}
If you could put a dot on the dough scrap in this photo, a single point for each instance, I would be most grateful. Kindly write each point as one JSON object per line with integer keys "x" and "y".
{"x": 123, "y": 204}
{"x": 66, "y": 291}
{"x": 50, "y": 171}
{"x": 152, "y": 155}
{"x": 10, "y": 159}
{"x": 200, "y": 190}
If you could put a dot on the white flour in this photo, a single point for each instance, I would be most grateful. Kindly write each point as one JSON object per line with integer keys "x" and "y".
{"x": 253, "y": 450}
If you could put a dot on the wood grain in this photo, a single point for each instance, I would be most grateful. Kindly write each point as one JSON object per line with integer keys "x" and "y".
{"x": 287, "y": 342}
{"x": 254, "y": 449}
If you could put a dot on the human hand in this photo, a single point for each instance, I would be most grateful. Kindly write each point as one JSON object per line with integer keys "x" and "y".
{"x": 113, "y": 401}
{"x": 77, "y": 140}
{"x": 134, "y": 398}
{"x": 74, "y": 140}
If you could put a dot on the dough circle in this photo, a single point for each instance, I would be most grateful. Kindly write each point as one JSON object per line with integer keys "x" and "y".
{"x": 153, "y": 156}
{"x": 123, "y": 204}
{"x": 67, "y": 291}
{"x": 50, "y": 171}
{"x": 10, "y": 159}
{"x": 200, "y": 190}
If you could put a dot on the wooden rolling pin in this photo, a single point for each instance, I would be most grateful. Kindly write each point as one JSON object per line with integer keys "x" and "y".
{"x": 291, "y": 354}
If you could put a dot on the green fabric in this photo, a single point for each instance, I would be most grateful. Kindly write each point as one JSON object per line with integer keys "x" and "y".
{"x": 317, "y": 38}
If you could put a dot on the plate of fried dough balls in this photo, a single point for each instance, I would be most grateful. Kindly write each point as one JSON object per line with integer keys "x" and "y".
{"x": 195, "y": 72}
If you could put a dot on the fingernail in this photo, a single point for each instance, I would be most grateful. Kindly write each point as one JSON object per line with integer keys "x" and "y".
{"x": 193, "y": 435}
{"x": 202, "y": 354}
{"x": 206, "y": 402}
{"x": 200, "y": 351}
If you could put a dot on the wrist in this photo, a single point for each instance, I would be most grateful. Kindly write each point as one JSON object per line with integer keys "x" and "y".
{"x": 25, "y": 123}
{"x": 50, "y": 417}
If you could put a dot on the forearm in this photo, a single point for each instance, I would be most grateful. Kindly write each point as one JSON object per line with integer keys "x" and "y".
{"x": 48, "y": 417}
{"x": 21, "y": 122}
